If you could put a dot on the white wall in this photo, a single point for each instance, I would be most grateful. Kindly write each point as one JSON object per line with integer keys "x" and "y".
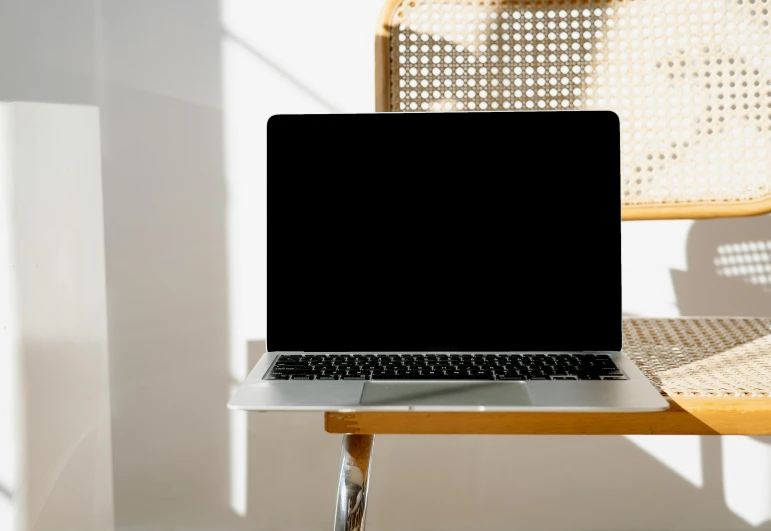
{"x": 185, "y": 88}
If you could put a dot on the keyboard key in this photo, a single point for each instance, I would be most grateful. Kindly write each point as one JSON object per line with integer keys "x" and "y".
{"x": 293, "y": 370}
{"x": 386, "y": 377}
{"x": 484, "y": 376}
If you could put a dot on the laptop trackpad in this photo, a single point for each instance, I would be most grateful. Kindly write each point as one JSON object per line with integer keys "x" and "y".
{"x": 485, "y": 394}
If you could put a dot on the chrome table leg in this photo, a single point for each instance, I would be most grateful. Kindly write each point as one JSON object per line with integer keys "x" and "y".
{"x": 352, "y": 485}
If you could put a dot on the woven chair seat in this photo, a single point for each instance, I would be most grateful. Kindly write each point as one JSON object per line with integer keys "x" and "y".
{"x": 702, "y": 356}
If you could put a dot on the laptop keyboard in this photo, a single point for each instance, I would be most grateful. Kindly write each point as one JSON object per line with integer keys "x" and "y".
{"x": 445, "y": 367}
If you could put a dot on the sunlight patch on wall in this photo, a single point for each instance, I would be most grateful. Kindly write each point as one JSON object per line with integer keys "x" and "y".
{"x": 6, "y": 512}
{"x": 322, "y": 47}
{"x": 649, "y": 249}
{"x": 244, "y": 138}
{"x": 238, "y": 460}
{"x": 254, "y": 89}
{"x": 747, "y": 478}
{"x": 245, "y": 213}
{"x": 680, "y": 453}
{"x": 748, "y": 261}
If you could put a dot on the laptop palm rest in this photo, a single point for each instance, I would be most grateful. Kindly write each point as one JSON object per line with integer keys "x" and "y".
{"x": 445, "y": 394}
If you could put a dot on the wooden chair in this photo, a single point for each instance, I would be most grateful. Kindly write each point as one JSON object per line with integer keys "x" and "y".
{"x": 691, "y": 83}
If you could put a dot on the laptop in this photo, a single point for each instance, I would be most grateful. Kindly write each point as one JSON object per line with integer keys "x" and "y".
{"x": 445, "y": 262}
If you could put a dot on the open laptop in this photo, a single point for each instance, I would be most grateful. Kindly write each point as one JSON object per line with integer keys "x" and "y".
{"x": 445, "y": 262}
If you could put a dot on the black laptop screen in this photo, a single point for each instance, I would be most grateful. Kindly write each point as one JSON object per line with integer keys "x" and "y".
{"x": 444, "y": 232}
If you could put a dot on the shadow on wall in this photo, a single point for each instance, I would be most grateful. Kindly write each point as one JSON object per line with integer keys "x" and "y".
{"x": 729, "y": 268}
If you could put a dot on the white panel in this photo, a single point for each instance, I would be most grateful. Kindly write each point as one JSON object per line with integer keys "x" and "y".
{"x": 54, "y": 250}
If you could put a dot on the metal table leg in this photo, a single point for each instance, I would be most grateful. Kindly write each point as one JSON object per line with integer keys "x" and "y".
{"x": 352, "y": 486}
